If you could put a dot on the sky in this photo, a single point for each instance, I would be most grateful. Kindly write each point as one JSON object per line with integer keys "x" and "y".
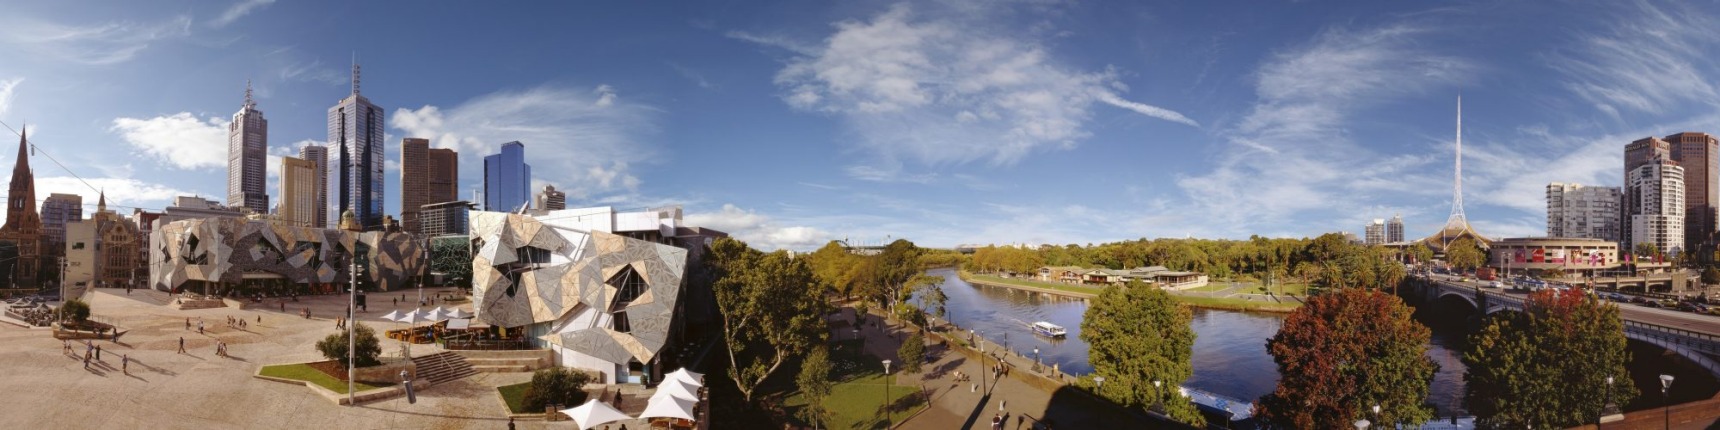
{"x": 791, "y": 123}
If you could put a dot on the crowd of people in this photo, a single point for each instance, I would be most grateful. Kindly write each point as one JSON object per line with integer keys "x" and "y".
{"x": 37, "y": 316}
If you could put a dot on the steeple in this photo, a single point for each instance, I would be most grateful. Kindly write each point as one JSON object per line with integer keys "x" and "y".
{"x": 23, "y": 148}
{"x": 101, "y": 202}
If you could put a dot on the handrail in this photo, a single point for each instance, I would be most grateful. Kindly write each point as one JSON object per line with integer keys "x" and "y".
{"x": 1705, "y": 342}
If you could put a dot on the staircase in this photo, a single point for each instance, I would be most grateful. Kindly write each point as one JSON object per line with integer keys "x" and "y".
{"x": 508, "y": 361}
{"x": 442, "y": 367}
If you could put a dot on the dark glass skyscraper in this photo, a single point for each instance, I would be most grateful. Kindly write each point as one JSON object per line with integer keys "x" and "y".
{"x": 507, "y": 179}
{"x": 247, "y": 150}
{"x": 355, "y": 130}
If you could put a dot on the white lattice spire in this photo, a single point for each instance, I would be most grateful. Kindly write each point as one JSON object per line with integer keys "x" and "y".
{"x": 1457, "y": 219}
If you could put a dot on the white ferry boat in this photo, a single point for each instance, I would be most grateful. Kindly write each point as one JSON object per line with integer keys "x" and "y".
{"x": 1048, "y": 329}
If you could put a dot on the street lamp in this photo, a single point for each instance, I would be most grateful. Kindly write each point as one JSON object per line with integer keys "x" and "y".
{"x": 1608, "y": 404}
{"x": 351, "y": 334}
{"x": 1035, "y": 358}
{"x": 1362, "y": 424}
{"x": 1666, "y": 384}
{"x": 1101, "y": 381}
{"x": 1158, "y": 396}
{"x": 1377, "y": 412}
{"x": 887, "y": 419}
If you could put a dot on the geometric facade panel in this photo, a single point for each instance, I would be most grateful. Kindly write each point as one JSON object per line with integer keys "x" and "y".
{"x": 224, "y": 249}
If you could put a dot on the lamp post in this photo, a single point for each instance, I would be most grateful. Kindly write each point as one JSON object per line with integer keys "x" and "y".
{"x": 888, "y": 421}
{"x": 1377, "y": 413}
{"x": 1035, "y": 358}
{"x": 1362, "y": 424}
{"x": 1604, "y": 406}
{"x": 983, "y": 371}
{"x": 1158, "y": 395}
{"x": 351, "y": 335}
{"x": 1101, "y": 381}
{"x": 1666, "y": 384}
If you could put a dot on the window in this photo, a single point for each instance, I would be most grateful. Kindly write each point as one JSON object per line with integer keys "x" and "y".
{"x": 78, "y": 245}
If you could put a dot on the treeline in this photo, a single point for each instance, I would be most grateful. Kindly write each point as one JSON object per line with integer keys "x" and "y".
{"x": 1330, "y": 258}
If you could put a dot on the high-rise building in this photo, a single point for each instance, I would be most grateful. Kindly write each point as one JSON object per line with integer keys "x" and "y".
{"x": 1394, "y": 229}
{"x": 414, "y": 180}
{"x": 444, "y": 175}
{"x": 58, "y": 210}
{"x": 355, "y": 128}
{"x": 551, "y": 200}
{"x": 317, "y": 155}
{"x": 247, "y": 154}
{"x": 1375, "y": 232}
{"x": 1656, "y": 204}
{"x": 1699, "y": 155}
{"x": 445, "y": 218}
{"x": 507, "y": 179}
{"x": 298, "y": 204}
{"x": 1638, "y": 154}
{"x": 23, "y": 225}
{"x": 1576, "y": 211}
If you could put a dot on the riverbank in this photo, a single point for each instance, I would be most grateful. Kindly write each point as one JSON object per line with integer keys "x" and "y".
{"x": 1230, "y": 302}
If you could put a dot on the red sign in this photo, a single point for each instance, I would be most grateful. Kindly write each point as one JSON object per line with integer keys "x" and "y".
{"x": 1539, "y": 256}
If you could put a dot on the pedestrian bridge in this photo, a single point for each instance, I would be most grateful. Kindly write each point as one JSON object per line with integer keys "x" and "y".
{"x": 1700, "y": 347}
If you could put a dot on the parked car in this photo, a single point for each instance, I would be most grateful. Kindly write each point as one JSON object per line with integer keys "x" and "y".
{"x": 1495, "y": 284}
{"x": 1638, "y": 299}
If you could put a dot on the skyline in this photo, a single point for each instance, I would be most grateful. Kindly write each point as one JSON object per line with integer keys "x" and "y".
{"x": 792, "y": 124}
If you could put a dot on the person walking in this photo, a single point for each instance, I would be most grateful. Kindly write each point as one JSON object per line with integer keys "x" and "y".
{"x": 187, "y": 323}
{"x": 125, "y": 363}
{"x": 199, "y": 326}
{"x": 86, "y": 361}
{"x": 182, "y": 344}
{"x": 98, "y": 353}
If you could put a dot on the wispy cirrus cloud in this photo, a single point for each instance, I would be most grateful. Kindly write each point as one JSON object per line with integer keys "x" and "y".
{"x": 1292, "y": 153}
{"x": 586, "y": 138}
{"x": 179, "y": 140}
{"x": 946, "y": 90}
{"x": 238, "y": 10}
{"x": 759, "y": 230}
{"x": 1649, "y": 58}
{"x": 99, "y": 44}
{"x": 8, "y": 89}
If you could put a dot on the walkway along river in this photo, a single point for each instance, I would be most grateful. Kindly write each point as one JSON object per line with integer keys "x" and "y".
{"x": 1230, "y": 356}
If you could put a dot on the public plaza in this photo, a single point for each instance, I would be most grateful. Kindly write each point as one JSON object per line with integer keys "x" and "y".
{"x": 50, "y": 388}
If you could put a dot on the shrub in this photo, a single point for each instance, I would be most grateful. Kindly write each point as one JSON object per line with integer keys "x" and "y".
{"x": 76, "y": 310}
{"x": 555, "y": 386}
{"x": 912, "y": 353}
{"x": 333, "y": 347}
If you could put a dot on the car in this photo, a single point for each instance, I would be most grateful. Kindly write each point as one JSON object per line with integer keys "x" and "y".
{"x": 1687, "y": 306}
{"x": 1494, "y": 284}
{"x": 1651, "y": 304}
{"x": 1638, "y": 299}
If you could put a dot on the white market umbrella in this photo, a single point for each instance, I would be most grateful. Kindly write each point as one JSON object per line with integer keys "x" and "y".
{"x": 437, "y": 314}
{"x": 393, "y": 316}
{"x": 414, "y": 317}
{"x": 594, "y": 413}
{"x": 459, "y": 314}
{"x": 668, "y": 407}
{"x": 678, "y": 389}
{"x": 684, "y": 375}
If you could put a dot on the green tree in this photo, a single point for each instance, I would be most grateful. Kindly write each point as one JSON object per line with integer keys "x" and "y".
{"x": 1137, "y": 335}
{"x": 333, "y": 347}
{"x": 1710, "y": 276}
{"x": 912, "y": 353}
{"x": 1465, "y": 254}
{"x": 1552, "y": 273}
{"x": 557, "y": 386}
{"x": 1421, "y": 253}
{"x": 1646, "y": 250}
{"x": 935, "y": 299}
{"x": 1343, "y": 352}
{"x": 75, "y": 310}
{"x": 815, "y": 385}
{"x": 830, "y": 263}
{"x": 1547, "y": 366}
{"x": 769, "y": 312}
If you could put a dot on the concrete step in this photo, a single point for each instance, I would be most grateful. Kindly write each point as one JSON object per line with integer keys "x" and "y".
{"x": 529, "y": 362}
{"x": 501, "y": 368}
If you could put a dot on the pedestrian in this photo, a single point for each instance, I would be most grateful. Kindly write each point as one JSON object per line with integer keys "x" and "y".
{"x": 187, "y": 323}
{"x": 397, "y": 303}
{"x": 259, "y": 319}
{"x": 86, "y": 361}
{"x": 200, "y": 327}
{"x": 98, "y": 353}
{"x": 68, "y": 345}
{"x": 510, "y": 423}
{"x": 125, "y": 364}
{"x": 182, "y": 344}
{"x": 283, "y": 306}
{"x": 1019, "y": 420}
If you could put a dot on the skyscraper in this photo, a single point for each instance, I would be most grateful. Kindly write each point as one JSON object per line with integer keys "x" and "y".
{"x": 1657, "y": 206}
{"x": 23, "y": 225}
{"x": 1636, "y": 155}
{"x": 317, "y": 155}
{"x": 298, "y": 192}
{"x": 247, "y": 153}
{"x": 1375, "y": 233}
{"x": 444, "y": 175}
{"x": 58, "y": 210}
{"x": 1394, "y": 229}
{"x": 1574, "y": 210}
{"x": 427, "y": 176}
{"x": 355, "y": 129}
{"x": 1696, "y": 153}
{"x": 551, "y": 200}
{"x": 507, "y": 179}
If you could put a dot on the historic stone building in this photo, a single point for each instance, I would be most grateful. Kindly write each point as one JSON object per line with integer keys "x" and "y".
{"x": 103, "y": 250}
{"x": 23, "y": 225}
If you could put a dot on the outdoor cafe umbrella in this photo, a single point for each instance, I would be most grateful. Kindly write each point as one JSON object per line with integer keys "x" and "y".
{"x": 684, "y": 375}
{"x": 457, "y": 313}
{"x": 393, "y": 316}
{"x": 667, "y": 406}
{"x": 437, "y": 314}
{"x": 679, "y": 389}
{"x": 594, "y": 413}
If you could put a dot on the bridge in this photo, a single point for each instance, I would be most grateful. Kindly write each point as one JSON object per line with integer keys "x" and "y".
{"x": 1693, "y": 336}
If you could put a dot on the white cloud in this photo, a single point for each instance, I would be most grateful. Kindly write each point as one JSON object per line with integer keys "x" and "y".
{"x": 1292, "y": 153}
{"x": 179, "y": 140}
{"x": 1649, "y": 60}
{"x": 102, "y": 44}
{"x": 583, "y": 139}
{"x": 238, "y": 10}
{"x": 126, "y": 192}
{"x": 939, "y": 90}
{"x": 758, "y": 230}
{"x": 8, "y": 88}
{"x": 314, "y": 71}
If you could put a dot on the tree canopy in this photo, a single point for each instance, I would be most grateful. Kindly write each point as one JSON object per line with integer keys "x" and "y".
{"x": 770, "y": 307}
{"x": 1343, "y": 352}
{"x": 1547, "y": 366}
{"x": 333, "y": 346}
{"x": 1137, "y": 335}
{"x": 815, "y": 385}
{"x": 1465, "y": 254}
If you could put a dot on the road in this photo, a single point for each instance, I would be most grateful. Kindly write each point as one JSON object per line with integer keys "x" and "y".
{"x": 1706, "y": 324}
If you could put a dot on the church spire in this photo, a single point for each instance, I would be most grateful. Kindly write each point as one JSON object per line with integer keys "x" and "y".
{"x": 101, "y": 202}
{"x": 23, "y": 145}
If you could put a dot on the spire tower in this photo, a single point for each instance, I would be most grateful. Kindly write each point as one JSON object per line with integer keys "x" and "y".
{"x": 1457, "y": 226}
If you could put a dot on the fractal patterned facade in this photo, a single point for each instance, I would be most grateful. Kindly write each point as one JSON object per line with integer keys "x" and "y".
{"x": 230, "y": 250}
{"x": 602, "y": 301}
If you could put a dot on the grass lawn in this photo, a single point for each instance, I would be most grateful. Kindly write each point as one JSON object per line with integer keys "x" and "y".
{"x": 301, "y": 372}
{"x": 1037, "y": 284}
{"x": 1238, "y": 303}
{"x": 515, "y": 396}
{"x": 1212, "y": 287}
{"x": 857, "y": 399}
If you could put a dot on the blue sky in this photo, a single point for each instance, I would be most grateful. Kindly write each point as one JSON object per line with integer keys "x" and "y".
{"x": 790, "y": 123}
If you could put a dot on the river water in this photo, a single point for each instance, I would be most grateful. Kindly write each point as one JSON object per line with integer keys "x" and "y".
{"x": 1230, "y": 356}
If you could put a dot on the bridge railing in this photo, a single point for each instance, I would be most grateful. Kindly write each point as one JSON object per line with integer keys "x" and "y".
{"x": 1694, "y": 340}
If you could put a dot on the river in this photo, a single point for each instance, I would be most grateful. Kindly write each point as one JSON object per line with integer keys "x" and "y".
{"x": 1230, "y": 356}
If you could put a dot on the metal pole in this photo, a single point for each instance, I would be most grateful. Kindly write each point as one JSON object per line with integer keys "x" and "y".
{"x": 351, "y": 335}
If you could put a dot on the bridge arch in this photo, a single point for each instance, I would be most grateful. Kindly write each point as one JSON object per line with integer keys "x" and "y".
{"x": 1453, "y": 297}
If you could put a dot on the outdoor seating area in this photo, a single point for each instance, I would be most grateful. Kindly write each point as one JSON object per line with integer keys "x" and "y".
{"x": 678, "y": 405}
{"x": 37, "y": 315}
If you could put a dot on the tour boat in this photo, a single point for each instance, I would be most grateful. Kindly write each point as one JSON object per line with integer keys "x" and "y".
{"x": 1048, "y": 329}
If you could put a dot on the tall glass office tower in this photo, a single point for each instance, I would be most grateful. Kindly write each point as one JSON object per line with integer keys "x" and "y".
{"x": 507, "y": 179}
{"x": 355, "y": 129}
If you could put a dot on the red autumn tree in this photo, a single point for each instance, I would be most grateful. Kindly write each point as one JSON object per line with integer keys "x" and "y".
{"x": 1341, "y": 354}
